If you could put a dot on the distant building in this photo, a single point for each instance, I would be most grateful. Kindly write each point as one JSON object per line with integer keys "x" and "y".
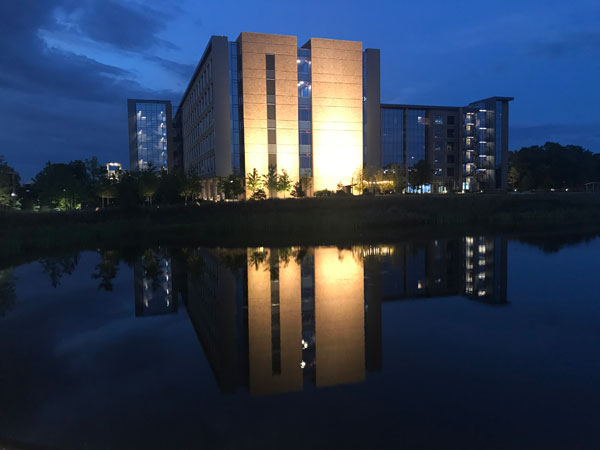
{"x": 149, "y": 133}
{"x": 114, "y": 170}
{"x": 466, "y": 146}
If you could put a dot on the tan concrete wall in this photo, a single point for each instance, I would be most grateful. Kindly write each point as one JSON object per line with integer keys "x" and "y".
{"x": 262, "y": 381}
{"x": 339, "y": 317}
{"x": 337, "y": 111}
{"x": 254, "y": 47}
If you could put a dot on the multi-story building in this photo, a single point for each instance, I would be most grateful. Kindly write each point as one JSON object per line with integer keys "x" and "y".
{"x": 149, "y": 133}
{"x": 262, "y": 101}
{"x": 467, "y": 147}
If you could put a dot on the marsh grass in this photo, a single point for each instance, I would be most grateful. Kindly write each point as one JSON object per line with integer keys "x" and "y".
{"x": 309, "y": 221}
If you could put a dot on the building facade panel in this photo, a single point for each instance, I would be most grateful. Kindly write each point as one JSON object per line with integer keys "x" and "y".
{"x": 339, "y": 309}
{"x": 272, "y": 141}
{"x": 337, "y": 136}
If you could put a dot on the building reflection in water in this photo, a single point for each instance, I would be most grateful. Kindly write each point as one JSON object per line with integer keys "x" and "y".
{"x": 275, "y": 320}
{"x": 153, "y": 284}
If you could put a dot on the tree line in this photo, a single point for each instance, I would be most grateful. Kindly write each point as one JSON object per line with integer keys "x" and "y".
{"x": 552, "y": 166}
{"x": 86, "y": 183}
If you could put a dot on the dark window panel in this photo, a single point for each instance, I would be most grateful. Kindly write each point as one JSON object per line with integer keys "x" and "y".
{"x": 270, "y": 62}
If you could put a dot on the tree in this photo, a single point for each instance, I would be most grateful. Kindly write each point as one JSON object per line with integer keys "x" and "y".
{"x": 420, "y": 174}
{"x": 128, "y": 191}
{"x": 513, "y": 177}
{"x": 9, "y": 184}
{"x": 358, "y": 180}
{"x": 254, "y": 182}
{"x": 148, "y": 184}
{"x": 107, "y": 189}
{"x": 63, "y": 186}
{"x": 259, "y": 195}
{"x": 270, "y": 180}
{"x": 232, "y": 186}
{"x": 191, "y": 187}
{"x": 553, "y": 166}
{"x": 297, "y": 191}
{"x": 169, "y": 187}
{"x": 284, "y": 183}
{"x": 397, "y": 177}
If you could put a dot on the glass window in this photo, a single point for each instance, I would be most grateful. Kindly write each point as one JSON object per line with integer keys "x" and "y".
{"x": 450, "y": 159}
{"x": 305, "y": 138}
{"x": 272, "y": 136}
{"x": 304, "y": 89}
{"x": 392, "y": 136}
{"x": 270, "y": 62}
{"x": 438, "y": 120}
{"x": 270, "y": 87}
{"x": 450, "y": 120}
{"x": 450, "y": 146}
{"x": 450, "y": 133}
{"x": 304, "y": 114}
{"x": 271, "y": 112}
{"x": 415, "y": 136}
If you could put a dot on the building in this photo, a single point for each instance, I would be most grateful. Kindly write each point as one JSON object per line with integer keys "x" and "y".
{"x": 262, "y": 101}
{"x": 153, "y": 284}
{"x": 314, "y": 111}
{"x": 114, "y": 170}
{"x": 466, "y": 146}
{"x": 149, "y": 133}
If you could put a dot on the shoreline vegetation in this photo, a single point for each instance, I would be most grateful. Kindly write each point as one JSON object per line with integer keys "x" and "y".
{"x": 336, "y": 220}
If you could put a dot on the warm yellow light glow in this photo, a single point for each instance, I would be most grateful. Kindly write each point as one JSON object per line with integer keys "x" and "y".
{"x": 262, "y": 379}
{"x": 339, "y": 315}
{"x": 337, "y": 112}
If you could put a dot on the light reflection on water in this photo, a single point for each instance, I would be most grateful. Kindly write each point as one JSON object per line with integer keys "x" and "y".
{"x": 268, "y": 321}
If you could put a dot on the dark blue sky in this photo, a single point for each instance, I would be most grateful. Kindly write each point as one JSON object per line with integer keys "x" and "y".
{"x": 68, "y": 66}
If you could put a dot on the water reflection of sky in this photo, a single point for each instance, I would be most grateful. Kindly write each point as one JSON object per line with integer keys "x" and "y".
{"x": 396, "y": 348}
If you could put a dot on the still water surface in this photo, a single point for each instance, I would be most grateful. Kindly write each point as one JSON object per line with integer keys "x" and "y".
{"x": 470, "y": 342}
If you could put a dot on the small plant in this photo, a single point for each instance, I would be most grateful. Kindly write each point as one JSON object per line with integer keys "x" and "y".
{"x": 297, "y": 191}
{"x": 258, "y": 195}
{"x": 324, "y": 193}
{"x": 254, "y": 183}
{"x": 283, "y": 182}
{"x": 271, "y": 180}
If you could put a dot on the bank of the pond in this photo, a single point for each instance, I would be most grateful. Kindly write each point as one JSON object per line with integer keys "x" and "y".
{"x": 304, "y": 221}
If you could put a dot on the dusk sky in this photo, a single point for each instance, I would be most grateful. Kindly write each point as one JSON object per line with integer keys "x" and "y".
{"x": 67, "y": 67}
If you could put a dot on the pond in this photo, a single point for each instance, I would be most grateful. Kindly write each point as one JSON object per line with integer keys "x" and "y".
{"x": 450, "y": 342}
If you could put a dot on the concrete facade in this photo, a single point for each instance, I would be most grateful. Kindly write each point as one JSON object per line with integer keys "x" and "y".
{"x": 254, "y": 48}
{"x": 337, "y": 86}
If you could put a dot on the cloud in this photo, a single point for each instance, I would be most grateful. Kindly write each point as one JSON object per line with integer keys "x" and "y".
{"x": 184, "y": 71}
{"x": 60, "y": 105}
{"x": 124, "y": 26}
{"x": 571, "y": 43}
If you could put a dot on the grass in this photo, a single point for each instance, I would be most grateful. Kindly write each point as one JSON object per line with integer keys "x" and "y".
{"x": 305, "y": 221}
